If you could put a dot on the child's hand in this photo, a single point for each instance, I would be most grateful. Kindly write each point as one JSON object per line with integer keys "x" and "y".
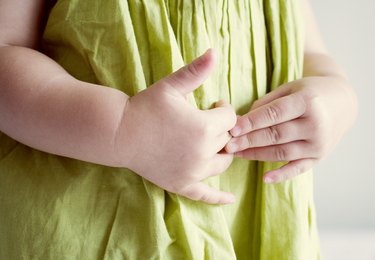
{"x": 300, "y": 122}
{"x": 172, "y": 143}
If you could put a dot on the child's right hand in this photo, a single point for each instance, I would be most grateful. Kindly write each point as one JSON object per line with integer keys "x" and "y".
{"x": 169, "y": 142}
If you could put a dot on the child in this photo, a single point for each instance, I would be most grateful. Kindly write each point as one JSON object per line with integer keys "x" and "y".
{"x": 109, "y": 152}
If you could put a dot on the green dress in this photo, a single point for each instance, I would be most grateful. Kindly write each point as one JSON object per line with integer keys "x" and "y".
{"x": 53, "y": 207}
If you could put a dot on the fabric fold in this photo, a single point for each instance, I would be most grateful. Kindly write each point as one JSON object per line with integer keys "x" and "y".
{"x": 58, "y": 208}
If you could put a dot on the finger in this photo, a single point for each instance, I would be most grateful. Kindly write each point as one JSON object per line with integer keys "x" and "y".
{"x": 279, "y": 134}
{"x": 219, "y": 164}
{"x": 223, "y": 103}
{"x": 279, "y": 153}
{"x": 222, "y": 118}
{"x": 290, "y": 170}
{"x": 278, "y": 111}
{"x": 220, "y": 142}
{"x": 271, "y": 96}
{"x": 202, "y": 192}
{"x": 191, "y": 76}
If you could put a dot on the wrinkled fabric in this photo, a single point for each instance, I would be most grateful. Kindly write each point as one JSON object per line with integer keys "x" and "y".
{"x": 53, "y": 207}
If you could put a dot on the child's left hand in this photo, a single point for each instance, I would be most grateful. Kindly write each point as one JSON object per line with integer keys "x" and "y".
{"x": 300, "y": 122}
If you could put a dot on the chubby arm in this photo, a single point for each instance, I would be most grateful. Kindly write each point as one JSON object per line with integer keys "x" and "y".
{"x": 303, "y": 120}
{"x": 41, "y": 104}
{"x": 44, "y": 107}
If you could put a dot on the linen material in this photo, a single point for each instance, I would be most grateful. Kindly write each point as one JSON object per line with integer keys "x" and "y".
{"x": 59, "y": 208}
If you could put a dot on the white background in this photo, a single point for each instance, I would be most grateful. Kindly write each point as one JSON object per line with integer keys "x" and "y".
{"x": 345, "y": 182}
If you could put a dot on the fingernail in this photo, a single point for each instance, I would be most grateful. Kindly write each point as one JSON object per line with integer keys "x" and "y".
{"x": 235, "y": 131}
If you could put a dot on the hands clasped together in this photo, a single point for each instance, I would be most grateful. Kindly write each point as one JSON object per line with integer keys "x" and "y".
{"x": 300, "y": 122}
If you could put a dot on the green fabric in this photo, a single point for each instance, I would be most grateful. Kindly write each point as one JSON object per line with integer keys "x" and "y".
{"x": 58, "y": 208}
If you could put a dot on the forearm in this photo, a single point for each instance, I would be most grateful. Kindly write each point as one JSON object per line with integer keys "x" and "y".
{"x": 44, "y": 107}
{"x": 321, "y": 64}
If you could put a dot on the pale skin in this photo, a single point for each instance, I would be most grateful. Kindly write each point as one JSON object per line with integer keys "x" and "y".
{"x": 302, "y": 121}
{"x": 45, "y": 108}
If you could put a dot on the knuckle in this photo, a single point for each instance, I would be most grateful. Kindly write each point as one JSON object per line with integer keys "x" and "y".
{"x": 280, "y": 153}
{"x": 273, "y": 113}
{"x": 192, "y": 70}
{"x": 249, "y": 140}
{"x": 302, "y": 105}
{"x": 283, "y": 177}
{"x": 297, "y": 170}
{"x": 205, "y": 197}
{"x": 273, "y": 135}
{"x": 250, "y": 122}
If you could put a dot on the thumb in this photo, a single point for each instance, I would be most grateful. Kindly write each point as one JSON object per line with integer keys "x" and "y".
{"x": 202, "y": 192}
{"x": 191, "y": 76}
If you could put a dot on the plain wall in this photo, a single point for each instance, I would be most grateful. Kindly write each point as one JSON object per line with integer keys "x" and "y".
{"x": 345, "y": 182}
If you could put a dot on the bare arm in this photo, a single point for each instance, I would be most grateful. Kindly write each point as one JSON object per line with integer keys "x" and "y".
{"x": 319, "y": 63}
{"x": 41, "y": 104}
{"x": 44, "y": 107}
{"x": 303, "y": 120}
